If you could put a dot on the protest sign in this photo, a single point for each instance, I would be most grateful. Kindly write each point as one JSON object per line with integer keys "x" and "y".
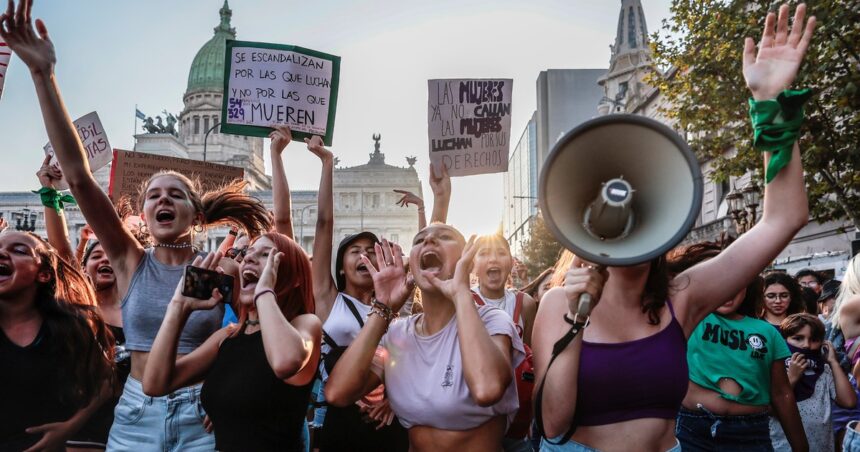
{"x": 5, "y": 57}
{"x": 273, "y": 84}
{"x": 95, "y": 143}
{"x": 469, "y": 125}
{"x": 131, "y": 169}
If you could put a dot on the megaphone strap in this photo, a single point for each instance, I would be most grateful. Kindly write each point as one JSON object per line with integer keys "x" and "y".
{"x": 577, "y": 325}
{"x": 776, "y": 126}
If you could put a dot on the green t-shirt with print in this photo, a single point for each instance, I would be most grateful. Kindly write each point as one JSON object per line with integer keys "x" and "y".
{"x": 742, "y": 350}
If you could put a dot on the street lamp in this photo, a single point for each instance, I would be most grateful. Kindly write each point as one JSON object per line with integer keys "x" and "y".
{"x": 29, "y": 224}
{"x": 206, "y": 138}
{"x": 743, "y": 207}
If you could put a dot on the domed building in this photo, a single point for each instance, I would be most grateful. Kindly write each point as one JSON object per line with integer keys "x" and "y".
{"x": 202, "y": 113}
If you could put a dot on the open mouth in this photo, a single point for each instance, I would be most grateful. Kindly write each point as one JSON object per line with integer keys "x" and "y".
{"x": 249, "y": 277}
{"x": 105, "y": 270}
{"x": 164, "y": 216}
{"x": 431, "y": 261}
{"x": 494, "y": 273}
{"x": 362, "y": 269}
{"x": 5, "y": 270}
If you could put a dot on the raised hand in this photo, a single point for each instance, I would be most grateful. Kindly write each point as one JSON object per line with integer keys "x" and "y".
{"x": 188, "y": 304}
{"x": 796, "y": 367}
{"x": 440, "y": 183}
{"x": 780, "y": 52}
{"x": 269, "y": 276}
{"x": 459, "y": 283}
{"x": 87, "y": 233}
{"x": 281, "y": 137}
{"x": 409, "y": 198}
{"x": 16, "y": 28}
{"x": 48, "y": 174}
{"x": 390, "y": 282}
{"x": 315, "y": 145}
{"x": 580, "y": 278}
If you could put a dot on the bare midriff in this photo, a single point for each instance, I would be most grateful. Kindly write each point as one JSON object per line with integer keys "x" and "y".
{"x": 716, "y": 404}
{"x": 485, "y": 437}
{"x": 637, "y": 434}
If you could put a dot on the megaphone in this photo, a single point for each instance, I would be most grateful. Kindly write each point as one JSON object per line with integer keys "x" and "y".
{"x": 620, "y": 190}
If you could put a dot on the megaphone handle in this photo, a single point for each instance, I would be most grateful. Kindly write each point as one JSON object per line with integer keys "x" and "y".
{"x": 584, "y": 304}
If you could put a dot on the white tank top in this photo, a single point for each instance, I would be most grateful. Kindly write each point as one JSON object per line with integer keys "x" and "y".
{"x": 507, "y": 304}
{"x": 342, "y": 325}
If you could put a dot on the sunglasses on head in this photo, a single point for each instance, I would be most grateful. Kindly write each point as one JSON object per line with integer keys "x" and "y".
{"x": 233, "y": 253}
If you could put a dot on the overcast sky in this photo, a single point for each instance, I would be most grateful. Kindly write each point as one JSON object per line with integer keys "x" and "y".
{"x": 113, "y": 54}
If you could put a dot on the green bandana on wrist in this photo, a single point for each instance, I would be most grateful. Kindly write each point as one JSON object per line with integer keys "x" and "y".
{"x": 54, "y": 199}
{"x": 776, "y": 126}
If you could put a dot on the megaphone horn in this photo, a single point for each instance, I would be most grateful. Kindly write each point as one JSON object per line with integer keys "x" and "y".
{"x": 620, "y": 190}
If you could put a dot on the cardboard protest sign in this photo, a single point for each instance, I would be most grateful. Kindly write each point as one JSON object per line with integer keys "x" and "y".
{"x": 95, "y": 142}
{"x": 131, "y": 169}
{"x": 469, "y": 125}
{"x": 5, "y": 57}
{"x": 270, "y": 84}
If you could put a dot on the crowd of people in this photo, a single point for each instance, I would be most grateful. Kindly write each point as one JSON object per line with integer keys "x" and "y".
{"x": 445, "y": 345}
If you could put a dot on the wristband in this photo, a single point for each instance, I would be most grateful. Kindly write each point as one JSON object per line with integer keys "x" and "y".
{"x": 263, "y": 293}
{"x": 385, "y": 318}
{"x": 776, "y": 126}
{"x": 54, "y": 199}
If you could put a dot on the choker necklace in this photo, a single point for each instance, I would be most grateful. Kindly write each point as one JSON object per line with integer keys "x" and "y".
{"x": 250, "y": 322}
{"x": 175, "y": 246}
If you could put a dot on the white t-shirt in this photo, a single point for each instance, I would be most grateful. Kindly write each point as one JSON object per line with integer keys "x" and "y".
{"x": 815, "y": 415}
{"x": 341, "y": 325}
{"x": 424, "y": 378}
{"x": 508, "y": 304}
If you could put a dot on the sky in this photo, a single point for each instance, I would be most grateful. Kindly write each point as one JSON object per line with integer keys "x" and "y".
{"x": 115, "y": 54}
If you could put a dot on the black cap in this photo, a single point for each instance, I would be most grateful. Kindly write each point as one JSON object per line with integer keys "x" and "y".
{"x": 340, "y": 279}
{"x": 829, "y": 289}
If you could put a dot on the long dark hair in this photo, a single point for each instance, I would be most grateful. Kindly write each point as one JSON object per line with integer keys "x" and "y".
{"x": 784, "y": 279}
{"x": 82, "y": 343}
{"x": 228, "y": 204}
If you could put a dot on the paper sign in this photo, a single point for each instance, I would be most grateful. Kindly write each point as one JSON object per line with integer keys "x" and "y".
{"x": 271, "y": 84}
{"x": 5, "y": 57}
{"x": 95, "y": 143}
{"x": 470, "y": 125}
{"x": 131, "y": 169}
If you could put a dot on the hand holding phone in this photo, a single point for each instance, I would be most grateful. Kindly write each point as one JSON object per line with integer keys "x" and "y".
{"x": 200, "y": 283}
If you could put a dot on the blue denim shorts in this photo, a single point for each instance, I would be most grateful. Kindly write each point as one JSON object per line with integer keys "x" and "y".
{"x": 170, "y": 423}
{"x": 851, "y": 442}
{"x": 573, "y": 446}
{"x": 704, "y": 431}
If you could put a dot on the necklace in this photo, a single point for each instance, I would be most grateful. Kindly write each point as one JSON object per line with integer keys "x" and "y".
{"x": 175, "y": 246}
{"x": 250, "y": 322}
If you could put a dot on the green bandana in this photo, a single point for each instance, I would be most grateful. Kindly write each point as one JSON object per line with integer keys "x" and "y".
{"x": 776, "y": 125}
{"x": 54, "y": 199}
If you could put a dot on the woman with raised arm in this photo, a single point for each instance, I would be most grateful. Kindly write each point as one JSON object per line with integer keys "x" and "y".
{"x": 257, "y": 374}
{"x": 592, "y": 396}
{"x": 96, "y": 267}
{"x": 55, "y": 351}
{"x": 448, "y": 371}
{"x": 281, "y": 137}
{"x": 173, "y": 208}
{"x": 343, "y": 304}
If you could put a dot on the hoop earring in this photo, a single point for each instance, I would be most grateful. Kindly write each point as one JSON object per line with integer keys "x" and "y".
{"x": 143, "y": 229}
{"x": 198, "y": 228}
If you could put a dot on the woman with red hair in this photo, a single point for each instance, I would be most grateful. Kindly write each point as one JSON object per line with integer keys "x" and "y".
{"x": 258, "y": 374}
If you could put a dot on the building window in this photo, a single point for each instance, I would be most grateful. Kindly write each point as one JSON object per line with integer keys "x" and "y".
{"x": 631, "y": 28}
{"x": 205, "y": 124}
{"x": 215, "y": 121}
{"x": 196, "y": 125}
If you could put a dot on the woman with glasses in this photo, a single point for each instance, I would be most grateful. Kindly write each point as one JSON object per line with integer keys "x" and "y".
{"x": 782, "y": 298}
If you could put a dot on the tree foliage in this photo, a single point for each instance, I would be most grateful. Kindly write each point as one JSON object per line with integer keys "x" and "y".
{"x": 701, "y": 47}
{"x": 542, "y": 249}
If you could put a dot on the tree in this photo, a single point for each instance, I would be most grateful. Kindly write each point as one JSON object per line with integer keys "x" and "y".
{"x": 701, "y": 46}
{"x": 541, "y": 250}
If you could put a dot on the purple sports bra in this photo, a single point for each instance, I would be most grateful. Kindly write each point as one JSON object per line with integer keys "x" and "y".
{"x": 644, "y": 378}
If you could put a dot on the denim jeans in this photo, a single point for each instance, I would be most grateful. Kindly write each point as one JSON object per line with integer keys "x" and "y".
{"x": 704, "y": 431}
{"x": 170, "y": 423}
{"x": 851, "y": 442}
{"x": 573, "y": 446}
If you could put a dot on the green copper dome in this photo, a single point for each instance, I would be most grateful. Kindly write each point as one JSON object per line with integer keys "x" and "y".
{"x": 207, "y": 69}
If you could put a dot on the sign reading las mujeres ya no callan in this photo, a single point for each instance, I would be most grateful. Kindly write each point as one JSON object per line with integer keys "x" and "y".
{"x": 273, "y": 84}
{"x": 469, "y": 125}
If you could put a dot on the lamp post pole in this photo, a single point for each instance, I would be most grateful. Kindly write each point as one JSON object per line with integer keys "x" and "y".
{"x": 206, "y": 138}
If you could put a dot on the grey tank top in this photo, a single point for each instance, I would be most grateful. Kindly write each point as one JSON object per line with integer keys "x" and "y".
{"x": 144, "y": 306}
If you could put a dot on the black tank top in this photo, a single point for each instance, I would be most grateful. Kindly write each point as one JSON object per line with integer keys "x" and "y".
{"x": 250, "y": 408}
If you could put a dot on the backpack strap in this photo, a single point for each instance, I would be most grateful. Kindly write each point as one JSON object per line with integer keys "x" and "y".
{"x": 478, "y": 300}
{"x": 351, "y": 306}
{"x": 518, "y": 307}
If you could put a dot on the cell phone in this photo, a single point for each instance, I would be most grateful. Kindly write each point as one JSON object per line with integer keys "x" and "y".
{"x": 200, "y": 283}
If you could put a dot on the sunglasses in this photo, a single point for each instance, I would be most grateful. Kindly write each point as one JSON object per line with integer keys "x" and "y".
{"x": 233, "y": 253}
{"x": 781, "y": 296}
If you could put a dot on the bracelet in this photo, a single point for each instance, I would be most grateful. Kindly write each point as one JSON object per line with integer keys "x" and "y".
{"x": 776, "y": 126}
{"x": 54, "y": 199}
{"x": 381, "y": 315}
{"x": 233, "y": 232}
{"x": 263, "y": 293}
{"x": 577, "y": 321}
{"x": 385, "y": 309}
